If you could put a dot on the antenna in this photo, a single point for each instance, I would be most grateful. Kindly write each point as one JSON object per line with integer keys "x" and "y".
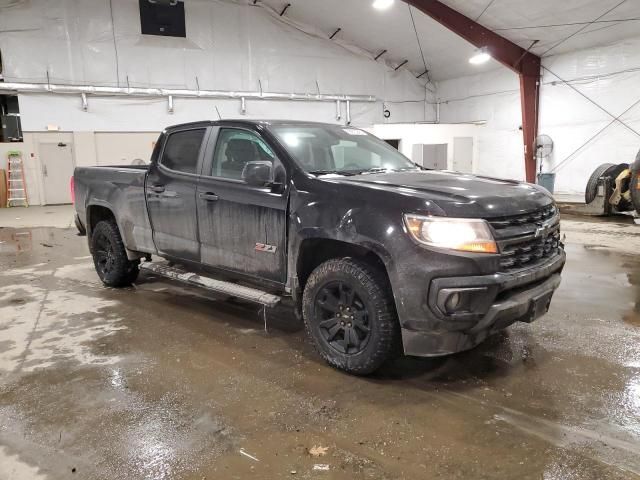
{"x": 218, "y": 111}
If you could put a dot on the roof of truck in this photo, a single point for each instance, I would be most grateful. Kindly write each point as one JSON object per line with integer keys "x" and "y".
{"x": 241, "y": 121}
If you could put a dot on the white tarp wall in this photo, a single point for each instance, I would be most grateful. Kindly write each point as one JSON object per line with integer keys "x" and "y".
{"x": 229, "y": 46}
{"x": 609, "y": 75}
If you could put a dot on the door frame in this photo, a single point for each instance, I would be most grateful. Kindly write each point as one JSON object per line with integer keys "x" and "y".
{"x": 193, "y": 177}
{"x": 56, "y": 142}
{"x": 207, "y": 166}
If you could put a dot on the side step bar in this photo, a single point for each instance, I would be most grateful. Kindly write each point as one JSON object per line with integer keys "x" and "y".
{"x": 218, "y": 286}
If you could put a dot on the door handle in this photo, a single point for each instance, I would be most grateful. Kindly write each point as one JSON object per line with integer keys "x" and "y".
{"x": 157, "y": 188}
{"x": 209, "y": 196}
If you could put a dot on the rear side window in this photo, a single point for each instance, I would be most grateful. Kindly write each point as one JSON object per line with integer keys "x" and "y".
{"x": 182, "y": 150}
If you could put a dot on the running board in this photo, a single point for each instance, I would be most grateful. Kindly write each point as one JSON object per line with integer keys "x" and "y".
{"x": 218, "y": 286}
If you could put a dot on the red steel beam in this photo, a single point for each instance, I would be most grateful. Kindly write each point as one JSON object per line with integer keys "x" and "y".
{"x": 517, "y": 59}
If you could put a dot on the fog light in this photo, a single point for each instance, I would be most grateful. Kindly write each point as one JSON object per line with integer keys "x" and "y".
{"x": 463, "y": 300}
{"x": 452, "y": 302}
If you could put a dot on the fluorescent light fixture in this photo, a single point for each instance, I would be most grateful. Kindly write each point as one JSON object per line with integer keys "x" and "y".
{"x": 480, "y": 56}
{"x": 382, "y": 4}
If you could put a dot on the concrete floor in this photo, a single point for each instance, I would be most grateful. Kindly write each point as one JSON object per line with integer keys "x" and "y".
{"x": 158, "y": 381}
{"x": 58, "y": 216}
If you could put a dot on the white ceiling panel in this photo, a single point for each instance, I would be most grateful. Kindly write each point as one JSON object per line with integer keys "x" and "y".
{"x": 558, "y": 26}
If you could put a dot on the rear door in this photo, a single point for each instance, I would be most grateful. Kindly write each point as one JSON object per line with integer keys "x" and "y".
{"x": 171, "y": 194}
{"x": 242, "y": 228}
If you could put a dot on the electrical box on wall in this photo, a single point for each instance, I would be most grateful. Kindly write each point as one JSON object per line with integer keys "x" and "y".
{"x": 162, "y": 17}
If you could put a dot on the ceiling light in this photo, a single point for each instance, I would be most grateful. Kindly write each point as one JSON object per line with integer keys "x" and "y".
{"x": 382, "y": 4}
{"x": 480, "y": 56}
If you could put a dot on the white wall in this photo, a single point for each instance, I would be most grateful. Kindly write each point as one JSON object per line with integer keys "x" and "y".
{"x": 229, "y": 46}
{"x": 600, "y": 73}
{"x": 411, "y": 134}
{"x": 87, "y": 148}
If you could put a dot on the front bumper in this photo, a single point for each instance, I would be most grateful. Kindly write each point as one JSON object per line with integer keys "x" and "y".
{"x": 512, "y": 297}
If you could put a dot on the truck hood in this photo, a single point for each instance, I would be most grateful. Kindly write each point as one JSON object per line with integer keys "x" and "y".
{"x": 457, "y": 194}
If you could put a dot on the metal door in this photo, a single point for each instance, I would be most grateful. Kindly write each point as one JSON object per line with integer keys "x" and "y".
{"x": 463, "y": 154}
{"x": 57, "y": 169}
{"x": 430, "y": 155}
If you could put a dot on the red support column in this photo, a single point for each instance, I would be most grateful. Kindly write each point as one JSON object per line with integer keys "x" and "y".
{"x": 529, "y": 96}
{"x": 517, "y": 59}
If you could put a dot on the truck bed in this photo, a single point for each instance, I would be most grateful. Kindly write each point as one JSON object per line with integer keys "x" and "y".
{"x": 119, "y": 188}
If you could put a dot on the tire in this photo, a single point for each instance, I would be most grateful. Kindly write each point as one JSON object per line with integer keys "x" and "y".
{"x": 362, "y": 335}
{"x": 610, "y": 170}
{"x": 110, "y": 257}
{"x": 634, "y": 188}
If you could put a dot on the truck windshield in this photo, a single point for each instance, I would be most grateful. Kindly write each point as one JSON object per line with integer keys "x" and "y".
{"x": 326, "y": 149}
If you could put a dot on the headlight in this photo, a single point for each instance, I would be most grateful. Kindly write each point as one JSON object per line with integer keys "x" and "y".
{"x": 465, "y": 234}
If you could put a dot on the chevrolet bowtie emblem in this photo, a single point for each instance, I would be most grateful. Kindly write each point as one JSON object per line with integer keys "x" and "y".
{"x": 541, "y": 231}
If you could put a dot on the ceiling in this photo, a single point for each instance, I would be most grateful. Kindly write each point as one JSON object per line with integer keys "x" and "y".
{"x": 445, "y": 54}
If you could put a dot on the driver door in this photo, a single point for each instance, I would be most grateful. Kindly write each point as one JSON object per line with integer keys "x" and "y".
{"x": 242, "y": 228}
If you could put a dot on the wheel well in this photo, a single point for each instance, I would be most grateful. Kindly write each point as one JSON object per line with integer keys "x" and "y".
{"x": 95, "y": 214}
{"x": 315, "y": 251}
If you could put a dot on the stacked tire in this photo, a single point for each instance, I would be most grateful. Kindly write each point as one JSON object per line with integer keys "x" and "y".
{"x": 634, "y": 184}
{"x": 608, "y": 170}
{"x": 612, "y": 172}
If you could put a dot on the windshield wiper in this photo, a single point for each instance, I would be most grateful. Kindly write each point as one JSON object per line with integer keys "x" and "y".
{"x": 382, "y": 169}
{"x": 334, "y": 172}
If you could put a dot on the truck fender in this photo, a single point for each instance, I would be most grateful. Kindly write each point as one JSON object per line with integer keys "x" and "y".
{"x": 131, "y": 255}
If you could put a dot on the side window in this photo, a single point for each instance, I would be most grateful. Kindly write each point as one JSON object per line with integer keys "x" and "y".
{"x": 182, "y": 149}
{"x": 234, "y": 149}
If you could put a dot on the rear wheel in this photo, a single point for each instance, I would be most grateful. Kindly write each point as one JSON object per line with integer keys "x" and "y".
{"x": 110, "y": 256}
{"x": 350, "y": 316}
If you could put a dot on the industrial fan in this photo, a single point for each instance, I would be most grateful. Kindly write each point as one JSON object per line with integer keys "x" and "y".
{"x": 544, "y": 147}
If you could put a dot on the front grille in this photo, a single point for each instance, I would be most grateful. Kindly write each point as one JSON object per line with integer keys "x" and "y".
{"x": 528, "y": 239}
{"x": 532, "y": 218}
{"x": 529, "y": 251}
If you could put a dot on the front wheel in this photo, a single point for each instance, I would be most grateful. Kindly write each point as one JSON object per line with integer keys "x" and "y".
{"x": 110, "y": 256}
{"x": 350, "y": 316}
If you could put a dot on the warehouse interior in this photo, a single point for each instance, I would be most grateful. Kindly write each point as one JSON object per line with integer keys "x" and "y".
{"x": 163, "y": 379}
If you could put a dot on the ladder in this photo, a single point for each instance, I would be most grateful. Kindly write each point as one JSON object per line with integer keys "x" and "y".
{"x": 16, "y": 184}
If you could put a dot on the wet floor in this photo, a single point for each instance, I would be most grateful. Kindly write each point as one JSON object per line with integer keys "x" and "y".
{"x": 162, "y": 382}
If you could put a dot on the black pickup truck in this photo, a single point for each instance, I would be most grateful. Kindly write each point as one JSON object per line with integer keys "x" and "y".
{"x": 376, "y": 254}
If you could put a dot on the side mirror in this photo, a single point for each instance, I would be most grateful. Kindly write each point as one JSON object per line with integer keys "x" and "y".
{"x": 258, "y": 173}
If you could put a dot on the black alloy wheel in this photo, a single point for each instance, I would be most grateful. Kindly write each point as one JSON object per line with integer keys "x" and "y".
{"x": 104, "y": 255}
{"x": 110, "y": 256}
{"x": 349, "y": 314}
{"x": 343, "y": 318}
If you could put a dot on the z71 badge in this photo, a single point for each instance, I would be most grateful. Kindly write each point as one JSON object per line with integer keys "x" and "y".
{"x": 264, "y": 247}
